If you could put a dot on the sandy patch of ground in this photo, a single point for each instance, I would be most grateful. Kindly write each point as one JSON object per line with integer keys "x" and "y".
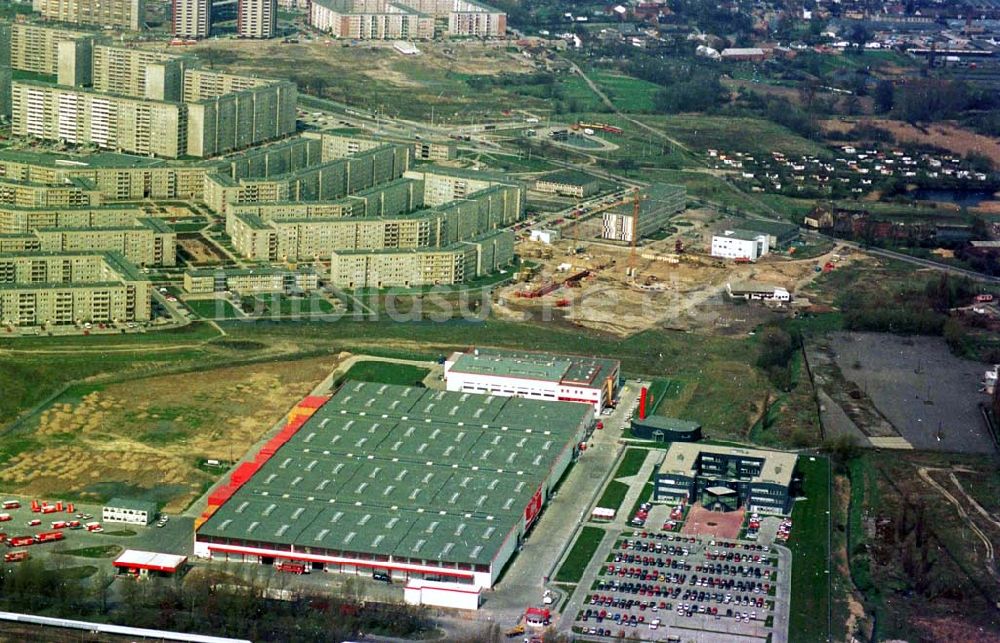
{"x": 149, "y": 436}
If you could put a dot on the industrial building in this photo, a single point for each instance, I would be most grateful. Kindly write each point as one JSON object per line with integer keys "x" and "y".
{"x": 67, "y": 288}
{"x": 539, "y": 376}
{"x": 568, "y": 183}
{"x": 397, "y": 482}
{"x": 256, "y": 18}
{"x": 726, "y": 478}
{"x": 150, "y": 103}
{"x": 126, "y": 14}
{"x": 743, "y": 245}
{"x": 130, "y": 512}
{"x": 249, "y": 281}
{"x": 657, "y": 205}
{"x": 191, "y": 19}
{"x": 405, "y": 19}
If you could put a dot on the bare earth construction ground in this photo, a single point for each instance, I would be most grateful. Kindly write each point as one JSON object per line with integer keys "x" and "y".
{"x": 149, "y": 437}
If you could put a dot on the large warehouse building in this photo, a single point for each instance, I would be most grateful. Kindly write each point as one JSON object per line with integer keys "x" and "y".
{"x": 726, "y": 478}
{"x": 539, "y": 376}
{"x": 408, "y": 482}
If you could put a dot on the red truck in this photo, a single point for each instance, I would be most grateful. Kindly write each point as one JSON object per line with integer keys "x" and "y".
{"x": 60, "y": 524}
{"x": 292, "y": 568}
{"x": 16, "y": 556}
{"x": 49, "y": 536}
{"x": 21, "y": 541}
{"x": 5, "y": 517}
{"x": 11, "y": 504}
{"x": 94, "y": 526}
{"x": 49, "y": 509}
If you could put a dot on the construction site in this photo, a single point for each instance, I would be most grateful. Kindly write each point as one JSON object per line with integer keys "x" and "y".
{"x": 666, "y": 277}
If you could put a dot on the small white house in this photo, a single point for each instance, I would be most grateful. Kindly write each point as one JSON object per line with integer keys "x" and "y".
{"x": 740, "y": 244}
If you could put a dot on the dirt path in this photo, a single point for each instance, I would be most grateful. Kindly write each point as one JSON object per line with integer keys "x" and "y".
{"x": 972, "y": 501}
{"x": 924, "y": 473}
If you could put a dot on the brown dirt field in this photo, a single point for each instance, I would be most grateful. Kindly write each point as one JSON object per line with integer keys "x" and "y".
{"x": 702, "y": 522}
{"x": 199, "y": 250}
{"x": 945, "y": 135}
{"x": 152, "y": 433}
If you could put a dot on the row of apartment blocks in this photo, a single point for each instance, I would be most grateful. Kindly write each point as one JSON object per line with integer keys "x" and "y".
{"x": 405, "y": 19}
{"x": 138, "y": 101}
{"x": 39, "y": 288}
{"x": 190, "y": 18}
{"x": 143, "y": 241}
{"x": 124, "y": 14}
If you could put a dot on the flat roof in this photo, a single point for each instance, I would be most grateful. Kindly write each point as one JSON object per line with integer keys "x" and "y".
{"x": 136, "y": 559}
{"x": 683, "y": 457}
{"x": 666, "y": 423}
{"x": 80, "y": 161}
{"x": 743, "y": 235}
{"x": 566, "y": 369}
{"x": 568, "y": 177}
{"x": 131, "y": 503}
{"x": 404, "y": 471}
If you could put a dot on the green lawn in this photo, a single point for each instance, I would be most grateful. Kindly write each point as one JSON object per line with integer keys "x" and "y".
{"x": 97, "y": 551}
{"x": 613, "y": 496}
{"x": 809, "y": 541}
{"x": 213, "y": 308}
{"x": 631, "y": 462}
{"x": 627, "y": 93}
{"x": 660, "y": 390}
{"x": 385, "y": 373}
{"x": 285, "y": 305}
{"x": 579, "y": 556}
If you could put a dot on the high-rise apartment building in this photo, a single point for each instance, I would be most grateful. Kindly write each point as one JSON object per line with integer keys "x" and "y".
{"x": 151, "y": 103}
{"x": 129, "y": 14}
{"x": 192, "y": 18}
{"x": 256, "y": 18}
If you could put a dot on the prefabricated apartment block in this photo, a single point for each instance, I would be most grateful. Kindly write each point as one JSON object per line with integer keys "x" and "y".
{"x": 408, "y": 482}
{"x": 405, "y": 19}
{"x": 657, "y": 205}
{"x": 538, "y": 376}
{"x": 136, "y": 100}
{"x": 726, "y": 478}
{"x": 66, "y": 288}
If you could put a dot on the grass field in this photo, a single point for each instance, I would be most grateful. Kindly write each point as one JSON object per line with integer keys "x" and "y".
{"x": 631, "y": 462}
{"x": 613, "y": 496}
{"x": 754, "y": 135}
{"x": 809, "y": 545}
{"x": 385, "y": 373}
{"x": 97, "y": 551}
{"x": 284, "y": 305}
{"x": 579, "y": 556}
{"x": 213, "y": 308}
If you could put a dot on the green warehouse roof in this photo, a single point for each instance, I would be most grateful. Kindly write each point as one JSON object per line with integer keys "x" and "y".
{"x": 404, "y": 471}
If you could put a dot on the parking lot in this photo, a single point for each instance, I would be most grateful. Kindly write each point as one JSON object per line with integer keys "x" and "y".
{"x": 657, "y": 585}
